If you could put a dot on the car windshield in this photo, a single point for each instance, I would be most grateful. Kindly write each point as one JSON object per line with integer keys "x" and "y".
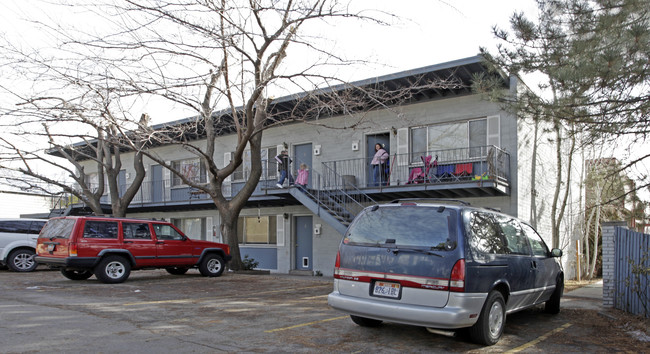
{"x": 416, "y": 226}
{"x": 58, "y": 228}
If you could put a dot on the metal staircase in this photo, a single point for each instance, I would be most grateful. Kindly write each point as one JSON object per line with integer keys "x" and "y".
{"x": 333, "y": 198}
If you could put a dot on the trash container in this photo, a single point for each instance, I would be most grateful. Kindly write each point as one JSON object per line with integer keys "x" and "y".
{"x": 349, "y": 181}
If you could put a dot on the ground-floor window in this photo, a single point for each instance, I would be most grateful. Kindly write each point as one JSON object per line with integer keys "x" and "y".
{"x": 194, "y": 228}
{"x": 259, "y": 230}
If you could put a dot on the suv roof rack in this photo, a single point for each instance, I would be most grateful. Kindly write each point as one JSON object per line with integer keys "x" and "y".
{"x": 431, "y": 200}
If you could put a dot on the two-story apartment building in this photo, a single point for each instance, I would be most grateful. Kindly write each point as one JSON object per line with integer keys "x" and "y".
{"x": 443, "y": 143}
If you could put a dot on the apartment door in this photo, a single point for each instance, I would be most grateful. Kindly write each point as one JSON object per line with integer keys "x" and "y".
{"x": 302, "y": 154}
{"x": 371, "y": 140}
{"x": 304, "y": 242}
{"x": 157, "y": 185}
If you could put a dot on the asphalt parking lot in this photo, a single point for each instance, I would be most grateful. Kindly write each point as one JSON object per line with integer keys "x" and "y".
{"x": 157, "y": 312}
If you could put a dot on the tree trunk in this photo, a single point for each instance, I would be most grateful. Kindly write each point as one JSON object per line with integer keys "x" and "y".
{"x": 594, "y": 257}
{"x": 555, "y": 225}
{"x": 229, "y": 232}
{"x": 586, "y": 254}
{"x": 533, "y": 176}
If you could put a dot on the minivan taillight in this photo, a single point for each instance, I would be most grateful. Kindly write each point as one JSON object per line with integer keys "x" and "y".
{"x": 72, "y": 249}
{"x": 337, "y": 264}
{"x": 457, "y": 279}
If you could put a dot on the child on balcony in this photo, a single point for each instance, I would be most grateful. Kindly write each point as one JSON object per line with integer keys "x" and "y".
{"x": 303, "y": 176}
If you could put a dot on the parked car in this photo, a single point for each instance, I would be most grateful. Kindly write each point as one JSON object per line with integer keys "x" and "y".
{"x": 18, "y": 243}
{"x": 443, "y": 265}
{"x": 110, "y": 248}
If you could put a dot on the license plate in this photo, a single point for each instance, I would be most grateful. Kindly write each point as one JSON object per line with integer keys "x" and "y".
{"x": 50, "y": 247}
{"x": 386, "y": 289}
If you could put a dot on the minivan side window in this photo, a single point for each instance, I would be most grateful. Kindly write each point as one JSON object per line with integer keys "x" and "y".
{"x": 485, "y": 235}
{"x": 100, "y": 229}
{"x": 536, "y": 242}
{"x": 515, "y": 238}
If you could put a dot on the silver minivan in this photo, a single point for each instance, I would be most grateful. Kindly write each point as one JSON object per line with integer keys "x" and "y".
{"x": 443, "y": 265}
{"x": 18, "y": 243}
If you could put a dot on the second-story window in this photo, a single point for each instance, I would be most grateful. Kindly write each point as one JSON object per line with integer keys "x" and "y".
{"x": 458, "y": 140}
{"x": 269, "y": 166}
{"x": 192, "y": 169}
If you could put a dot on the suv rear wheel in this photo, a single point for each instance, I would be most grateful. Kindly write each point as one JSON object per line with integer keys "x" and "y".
{"x": 76, "y": 274}
{"x": 21, "y": 260}
{"x": 113, "y": 270}
{"x": 489, "y": 327}
{"x": 211, "y": 266}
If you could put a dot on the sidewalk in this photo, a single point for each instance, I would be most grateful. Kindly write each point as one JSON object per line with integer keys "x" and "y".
{"x": 588, "y": 297}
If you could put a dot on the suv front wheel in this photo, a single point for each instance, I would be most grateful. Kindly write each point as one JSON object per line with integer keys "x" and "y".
{"x": 21, "y": 260}
{"x": 211, "y": 266}
{"x": 113, "y": 270}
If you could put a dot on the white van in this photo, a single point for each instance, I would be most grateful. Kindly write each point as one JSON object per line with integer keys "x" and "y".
{"x": 18, "y": 243}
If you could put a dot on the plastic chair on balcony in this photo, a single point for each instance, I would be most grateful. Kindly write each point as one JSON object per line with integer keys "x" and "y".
{"x": 463, "y": 170}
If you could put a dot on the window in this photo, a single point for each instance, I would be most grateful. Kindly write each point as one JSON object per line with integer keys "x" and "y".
{"x": 477, "y": 137}
{"x": 269, "y": 166}
{"x": 536, "y": 242}
{"x": 408, "y": 226}
{"x": 92, "y": 181}
{"x": 193, "y": 228}
{"x": 21, "y": 226}
{"x": 192, "y": 169}
{"x": 515, "y": 238}
{"x": 58, "y": 228}
{"x": 418, "y": 143}
{"x": 166, "y": 232}
{"x": 257, "y": 230}
{"x": 471, "y": 134}
{"x": 139, "y": 231}
{"x": 485, "y": 235}
{"x": 100, "y": 229}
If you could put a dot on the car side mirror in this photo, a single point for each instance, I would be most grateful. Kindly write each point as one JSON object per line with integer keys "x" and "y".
{"x": 556, "y": 252}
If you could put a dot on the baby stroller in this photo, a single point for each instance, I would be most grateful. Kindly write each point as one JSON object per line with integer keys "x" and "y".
{"x": 417, "y": 175}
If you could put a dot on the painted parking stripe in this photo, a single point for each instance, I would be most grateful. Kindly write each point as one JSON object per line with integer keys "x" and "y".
{"x": 539, "y": 339}
{"x": 180, "y": 301}
{"x": 304, "y": 324}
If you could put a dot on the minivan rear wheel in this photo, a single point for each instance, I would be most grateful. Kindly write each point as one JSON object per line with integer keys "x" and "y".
{"x": 489, "y": 327}
{"x": 113, "y": 270}
{"x": 76, "y": 274}
{"x": 365, "y": 322}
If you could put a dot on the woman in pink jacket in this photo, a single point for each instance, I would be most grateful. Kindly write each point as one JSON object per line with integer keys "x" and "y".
{"x": 378, "y": 164}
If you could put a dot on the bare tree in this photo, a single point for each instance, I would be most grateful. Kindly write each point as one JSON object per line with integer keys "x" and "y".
{"x": 223, "y": 63}
{"x": 211, "y": 57}
{"x": 69, "y": 103}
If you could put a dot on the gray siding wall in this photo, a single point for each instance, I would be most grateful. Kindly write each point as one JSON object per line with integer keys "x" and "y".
{"x": 335, "y": 139}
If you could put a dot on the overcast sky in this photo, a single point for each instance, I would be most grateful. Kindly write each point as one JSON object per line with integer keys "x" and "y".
{"x": 428, "y": 32}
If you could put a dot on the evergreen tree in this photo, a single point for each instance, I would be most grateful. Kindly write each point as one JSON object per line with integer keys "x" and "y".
{"x": 594, "y": 60}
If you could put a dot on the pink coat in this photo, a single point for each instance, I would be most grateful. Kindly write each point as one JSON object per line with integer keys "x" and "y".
{"x": 303, "y": 176}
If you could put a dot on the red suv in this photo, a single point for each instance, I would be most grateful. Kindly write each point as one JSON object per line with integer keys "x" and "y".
{"x": 111, "y": 247}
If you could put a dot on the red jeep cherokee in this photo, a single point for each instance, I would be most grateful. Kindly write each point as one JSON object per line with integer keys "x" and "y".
{"x": 111, "y": 247}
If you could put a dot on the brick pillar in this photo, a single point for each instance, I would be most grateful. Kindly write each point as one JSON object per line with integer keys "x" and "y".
{"x": 609, "y": 261}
